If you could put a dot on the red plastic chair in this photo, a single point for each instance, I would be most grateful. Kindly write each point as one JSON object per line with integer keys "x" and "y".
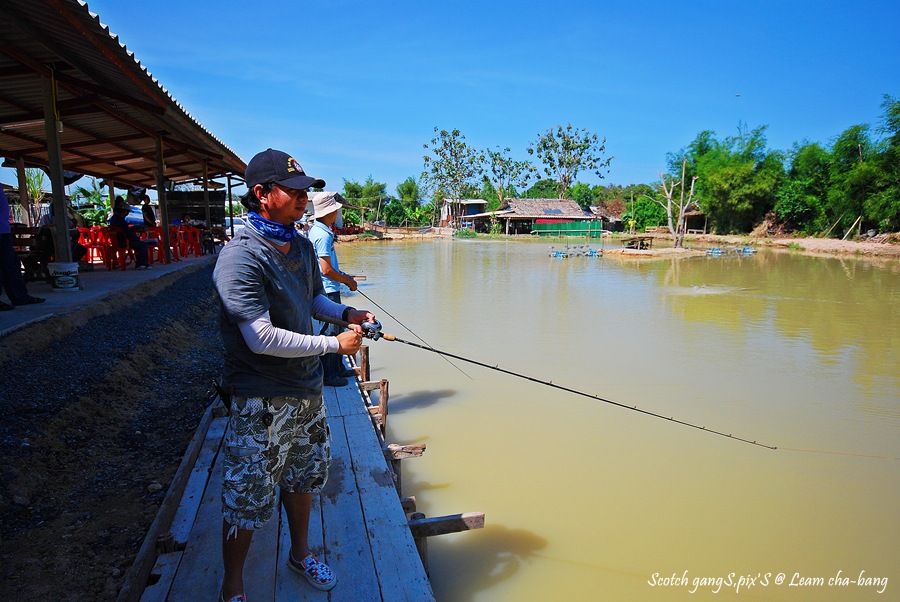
{"x": 96, "y": 248}
{"x": 118, "y": 254}
{"x": 153, "y": 239}
{"x": 175, "y": 242}
{"x": 190, "y": 242}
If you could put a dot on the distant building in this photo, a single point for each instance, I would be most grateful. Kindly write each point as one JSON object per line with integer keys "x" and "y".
{"x": 610, "y": 222}
{"x": 460, "y": 210}
{"x": 522, "y": 216}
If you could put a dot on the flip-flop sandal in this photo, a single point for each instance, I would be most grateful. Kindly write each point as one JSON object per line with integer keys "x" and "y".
{"x": 317, "y": 573}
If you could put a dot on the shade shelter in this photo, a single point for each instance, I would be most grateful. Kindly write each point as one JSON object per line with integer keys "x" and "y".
{"x": 73, "y": 98}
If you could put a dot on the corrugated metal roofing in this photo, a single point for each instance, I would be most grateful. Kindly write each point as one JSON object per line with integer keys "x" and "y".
{"x": 112, "y": 109}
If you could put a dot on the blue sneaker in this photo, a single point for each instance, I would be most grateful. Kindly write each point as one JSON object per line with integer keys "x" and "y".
{"x": 317, "y": 573}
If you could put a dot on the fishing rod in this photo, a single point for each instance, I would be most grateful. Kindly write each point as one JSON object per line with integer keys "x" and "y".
{"x": 371, "y": 300}
{"x": 372, "y": 330}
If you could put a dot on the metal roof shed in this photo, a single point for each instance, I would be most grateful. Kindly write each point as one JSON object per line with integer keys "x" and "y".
{"x": 73, "y": 97}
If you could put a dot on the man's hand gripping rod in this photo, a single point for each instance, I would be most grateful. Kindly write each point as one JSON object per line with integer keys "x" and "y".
{"x": 370, "y": 330}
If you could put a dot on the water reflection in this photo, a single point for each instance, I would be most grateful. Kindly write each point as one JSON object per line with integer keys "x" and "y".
{"x": 837, "y": 306}
{"x": 416, "y": 399}
{"x": 497, "y": 555}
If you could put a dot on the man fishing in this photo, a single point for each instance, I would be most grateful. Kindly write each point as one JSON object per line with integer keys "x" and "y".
{"x": 269, "y": 286}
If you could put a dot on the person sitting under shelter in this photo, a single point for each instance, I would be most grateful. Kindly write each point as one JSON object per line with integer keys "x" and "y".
{"x": 128, "y": 233}
{"x": 46, "y": 236}
{"x": 11, "y": 280}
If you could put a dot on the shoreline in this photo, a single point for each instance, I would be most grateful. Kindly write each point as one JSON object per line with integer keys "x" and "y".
{"x": 823, "y": 247}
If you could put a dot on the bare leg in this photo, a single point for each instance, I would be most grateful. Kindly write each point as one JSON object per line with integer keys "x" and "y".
{"x": 297, "y": 507}
{"x": 234, "y": 553}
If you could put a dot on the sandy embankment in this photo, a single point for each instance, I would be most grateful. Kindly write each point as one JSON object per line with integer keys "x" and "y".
{"x": 811, "y": 246}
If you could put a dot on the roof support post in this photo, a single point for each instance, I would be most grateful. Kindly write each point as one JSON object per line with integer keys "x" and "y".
{"x": 23, "y": 189}
{"x": 52, "y": 125}
{"x": 206, "y": 194}
{"x": 230, "y": 204}
{"x": 161, "y": 199}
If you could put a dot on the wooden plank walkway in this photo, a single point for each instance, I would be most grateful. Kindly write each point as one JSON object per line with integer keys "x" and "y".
{"x": 357, "y": 526}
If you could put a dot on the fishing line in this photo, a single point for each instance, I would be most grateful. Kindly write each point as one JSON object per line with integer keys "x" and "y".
{"x": 373, "y": 331}
{"x": 550, "y": 383}
{"x": 834, "y": 453}
{"x": 410, "y": 331}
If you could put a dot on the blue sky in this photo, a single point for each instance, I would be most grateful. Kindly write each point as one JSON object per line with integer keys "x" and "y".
{"x": 354, "y": 89}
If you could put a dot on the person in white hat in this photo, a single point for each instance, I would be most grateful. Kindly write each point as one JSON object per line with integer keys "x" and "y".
{"x": 326, "y": 207}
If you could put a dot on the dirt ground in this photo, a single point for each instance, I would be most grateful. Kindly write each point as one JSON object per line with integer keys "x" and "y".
{"x": 99, "y": 407}
{"x": 816, "y": 246}
{"x": 822, "y": 247}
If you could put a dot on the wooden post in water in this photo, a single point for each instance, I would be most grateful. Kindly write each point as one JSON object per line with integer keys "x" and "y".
{"x": 364, "y": 362}
{"x": 383, "y": 403}
{"x": 394, "y": 453}
{"x": 421, "y": 543}
{"x": 379, "y": 414}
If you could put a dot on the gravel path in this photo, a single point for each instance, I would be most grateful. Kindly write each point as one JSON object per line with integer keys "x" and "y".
{"x": 91, "y": 438}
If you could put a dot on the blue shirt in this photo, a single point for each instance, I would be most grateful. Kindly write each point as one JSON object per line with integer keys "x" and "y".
{"x": 322, "y": 239}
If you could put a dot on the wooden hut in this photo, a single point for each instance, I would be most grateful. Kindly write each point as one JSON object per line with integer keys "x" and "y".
{"x": 520, "y": 216}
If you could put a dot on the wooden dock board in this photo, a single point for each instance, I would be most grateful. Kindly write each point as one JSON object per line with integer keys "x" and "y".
{"x": 357, "y": 525}
{"x": 197, "y": 482}
{"x": 199, "y": 575}
{"x": 399, "y": 568}
{"x": 346, "y": 541}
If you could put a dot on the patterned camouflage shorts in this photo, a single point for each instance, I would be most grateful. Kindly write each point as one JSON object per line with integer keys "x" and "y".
{"x": 293, "y": 452}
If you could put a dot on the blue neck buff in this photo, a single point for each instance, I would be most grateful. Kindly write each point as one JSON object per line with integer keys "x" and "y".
{"x": 272, "y": 231}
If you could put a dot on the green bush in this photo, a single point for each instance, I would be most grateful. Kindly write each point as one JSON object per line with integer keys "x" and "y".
{"x": 465, "y": 234}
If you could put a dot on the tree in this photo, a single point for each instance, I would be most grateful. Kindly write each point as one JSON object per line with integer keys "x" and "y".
{"x": 566, "y": 151}
{"x": 802, "y": 201}
{"x": 489, "y": 193}
{"x": 406, "y": 209}
{"x": 451, "y": 165}
{"x": 370, "y": 194}
{"x": 582, "y": 194}
{"x": 615, "y": 199}
{"x": 883, "y": 207}
{"x": 645, "y": 212}
{"x": 676, "y": 208}
{"x": 542, "y": 189}
{"x": 853, "y": 177}
{"x": 738, "y": 177}
{"x": 408, "y": 192}
{"x": 506, "y": 172}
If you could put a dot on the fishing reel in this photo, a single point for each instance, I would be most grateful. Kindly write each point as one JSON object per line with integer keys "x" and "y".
{"x": 372, "y": 330}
